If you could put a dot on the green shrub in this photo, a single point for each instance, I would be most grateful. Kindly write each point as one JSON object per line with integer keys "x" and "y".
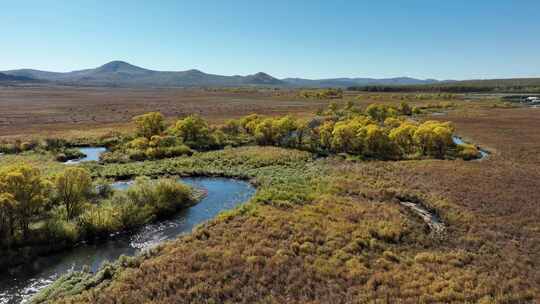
{"x": 129, "y": 214}
{"x": 102, "y": 189}
{"x": 163, "y": 196}
{"x": 58, "y": 229}
{"x": 99, "y": 221}
{"x": 67, "y": 154}
{"x": 54, "y": 144}
{"x": 136, "y": 155}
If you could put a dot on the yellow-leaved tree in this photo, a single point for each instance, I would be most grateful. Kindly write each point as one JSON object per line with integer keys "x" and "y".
{"x": 149, "y": 124}
{"x": 24, "y": 193}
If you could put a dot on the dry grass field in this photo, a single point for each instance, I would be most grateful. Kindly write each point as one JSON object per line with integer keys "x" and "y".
{"x": 41, "y": 111}
{"x": 46, "y": 111}
{"x": 490, "y": 252}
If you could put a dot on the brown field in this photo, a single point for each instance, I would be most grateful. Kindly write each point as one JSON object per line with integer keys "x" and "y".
{"x": 490, "y": 254}
{"x": 40, "y": 111}
{"x": 45, "y": 111}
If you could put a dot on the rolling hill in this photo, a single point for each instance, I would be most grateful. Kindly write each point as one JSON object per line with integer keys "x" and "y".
{"x": 120, "y": 73}
{"x": 14, "y": 78}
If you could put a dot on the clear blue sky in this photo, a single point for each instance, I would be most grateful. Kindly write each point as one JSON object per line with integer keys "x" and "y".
{"x": 314, "y": 39}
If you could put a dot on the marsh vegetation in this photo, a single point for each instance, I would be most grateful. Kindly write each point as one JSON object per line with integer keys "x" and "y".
{"x": 328, "y": 221}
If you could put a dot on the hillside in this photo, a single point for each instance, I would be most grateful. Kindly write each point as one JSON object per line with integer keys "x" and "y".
{"x": 119, "y": 73}
{"x": 123, "y": 74}
{"x": 13, "y": 78}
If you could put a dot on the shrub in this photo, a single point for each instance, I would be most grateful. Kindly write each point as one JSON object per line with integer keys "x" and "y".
{"x": 57, "y": 229}
{"x": 192, "y": 130}
{"x": 163, "y": 196}
{"x": 264, "y": 132}
{"x": 434, "y": 138}
{"x": 467, "y": 151}
{"x": 403, "y": 137}
{"x": 130, "y": 214}
{"x": 379, "y": 112}
{"x": 102, "y": 189}
{"x": 149, "y": 124}
{"x": 405, "y": 109}
{"x": 377, "y": 142}
{"x": 54, "y": 144}
{"x": 139, "y": 143}
{"x": 99, "y": 221}
{"x": 27, "y": 146}
{"x": 67, "y": 154}
{"x": 136, "y": 155}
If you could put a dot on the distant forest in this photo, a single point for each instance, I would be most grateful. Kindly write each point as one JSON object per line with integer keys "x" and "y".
{"x": 518, "y": 85}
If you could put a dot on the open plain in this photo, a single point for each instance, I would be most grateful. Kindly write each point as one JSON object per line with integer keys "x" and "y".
{"x": 325, "y": 229}
{"x": 42, "y": 110}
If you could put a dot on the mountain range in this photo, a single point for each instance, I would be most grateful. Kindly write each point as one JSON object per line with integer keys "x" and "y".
{"x": 13, "y": 78}
{"x": 123, "y": 74}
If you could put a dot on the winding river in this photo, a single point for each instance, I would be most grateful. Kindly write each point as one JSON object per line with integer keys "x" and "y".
{"x": 222, "y": 194}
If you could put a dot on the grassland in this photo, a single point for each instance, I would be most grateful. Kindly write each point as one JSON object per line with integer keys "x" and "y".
{"x": 68, "y": 111}
{"x": 331, "y": 230}
{"x": 71, "y": 112}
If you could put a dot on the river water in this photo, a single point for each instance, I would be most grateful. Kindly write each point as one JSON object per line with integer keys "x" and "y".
{"x": 222, "y": 194}
{"x": 92, "y": 154}
{"x": 459, "y": 141}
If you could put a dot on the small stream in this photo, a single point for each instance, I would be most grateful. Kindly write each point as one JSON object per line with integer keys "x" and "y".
{"x": 431, "y": 219}
{"x": 459, "y": 141}
{"x": 92, "y": 154}
{"x": 222, "y": 194}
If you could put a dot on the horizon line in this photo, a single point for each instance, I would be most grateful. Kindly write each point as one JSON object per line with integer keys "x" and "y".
{"x": 280, "y": 78}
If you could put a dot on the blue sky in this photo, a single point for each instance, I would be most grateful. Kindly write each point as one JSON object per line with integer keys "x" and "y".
{"x": 312, "y": 39}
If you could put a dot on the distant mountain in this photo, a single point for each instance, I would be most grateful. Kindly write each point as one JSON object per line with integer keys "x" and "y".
{"x": 119, "y": 73}
{"x": 351, "y": 82}
{"x": 507, "y": 85}
{"x": 13, "y": 78}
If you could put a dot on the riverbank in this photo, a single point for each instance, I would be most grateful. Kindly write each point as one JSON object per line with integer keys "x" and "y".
{"x": 310, "y": 222}
{"x": 220, "y": 194}
{"x": 330, "y": 213}
{"x": 110, "y": 214}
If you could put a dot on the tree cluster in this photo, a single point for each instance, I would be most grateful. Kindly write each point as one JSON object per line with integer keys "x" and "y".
{"x": 379, "y": 131}
{"x": 329, "y": 93}
{"x": 26, "y": 195}
{"x": 69, "y": 205}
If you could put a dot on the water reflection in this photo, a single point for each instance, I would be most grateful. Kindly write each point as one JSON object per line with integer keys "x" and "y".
{"x": 92, "y": 154}
{"x": 223, "y": 194}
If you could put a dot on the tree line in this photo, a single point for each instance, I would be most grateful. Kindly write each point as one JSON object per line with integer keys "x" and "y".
{"x": 377, "y": 132}
{"x": 519, "y": 85}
